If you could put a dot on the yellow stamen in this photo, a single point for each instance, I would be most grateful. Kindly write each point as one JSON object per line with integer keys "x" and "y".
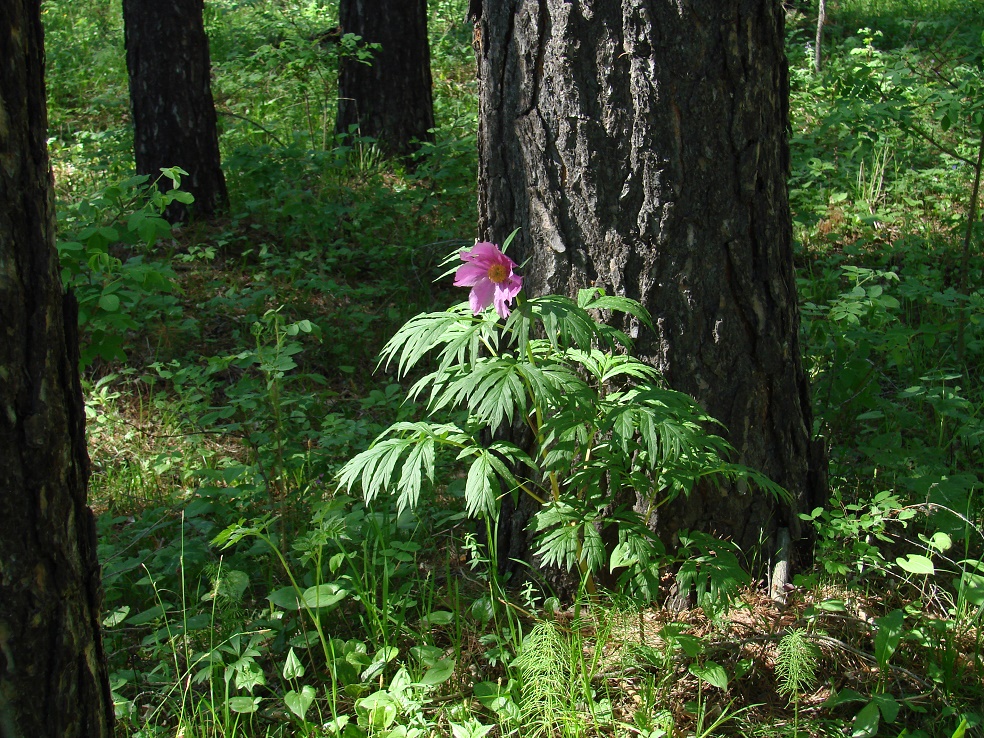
{"x": 498, "y": 273}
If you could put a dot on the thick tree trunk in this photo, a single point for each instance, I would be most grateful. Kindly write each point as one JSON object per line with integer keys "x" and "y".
{"x": 391, "y": 98}
{"x": 174, "y": 120}
{"x": 52, "y": 674}
{"x": 642, "y": 146}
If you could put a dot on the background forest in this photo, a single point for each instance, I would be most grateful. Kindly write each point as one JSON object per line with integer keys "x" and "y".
{"x": 228, "y": 373}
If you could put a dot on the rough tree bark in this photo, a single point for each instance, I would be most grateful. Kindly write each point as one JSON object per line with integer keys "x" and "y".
{"x": 53, "y": 678}
{"x": 642, "y": 146}
{"x": 390, "y": 99}
{"x": 174, "y": 121}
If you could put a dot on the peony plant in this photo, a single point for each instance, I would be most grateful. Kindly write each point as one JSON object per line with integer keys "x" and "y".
{"x": 610, "y": 443}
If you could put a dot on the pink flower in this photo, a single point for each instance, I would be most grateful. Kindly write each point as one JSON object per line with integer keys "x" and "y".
{"x": 489, "y": 273}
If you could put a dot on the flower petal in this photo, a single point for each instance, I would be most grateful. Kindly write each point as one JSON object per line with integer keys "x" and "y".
{"x": 501, "y": 305}
{"x": 481, "y": 296}
{"x": 504, "y": 294}
{"x": 483, "y": 262}
{"x": 484, "y": 253}
{"x": 469, "y": 274}
{"x": 512, "y": 286}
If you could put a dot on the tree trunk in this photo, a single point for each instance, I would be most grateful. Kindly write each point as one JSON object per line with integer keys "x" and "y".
{"x": 174, "y": 120}
{"x": 821, "y": 22}
{"x": 390, "y": 99}
{"x": 642, "y": 146}
{"x": 52, "y": 673}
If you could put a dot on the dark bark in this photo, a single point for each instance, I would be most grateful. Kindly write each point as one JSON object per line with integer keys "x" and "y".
{"x": 53, "y": 678}
{"x": 174, "y": 121}
{"x": 642, "y": 147}
{"x": 389, "y": 100}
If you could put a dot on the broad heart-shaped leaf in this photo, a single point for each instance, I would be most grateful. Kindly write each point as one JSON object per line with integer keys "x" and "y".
{"x": 970, "y": 586}
{"x": 379, "y": 709}
{"x": 293, "y": 668}
{"x": 323, "y": 595}
{"x": 888, "y": 636}
{"x": 299, "y": 702}
{"x": 498, "y": 698}
{"x": 116, "y": 617}
{"x": 711, "y": 672}
{"x": 916, "y": 564}
{"x": 866, "y": 722}
{"x": 887, "y": 705}
{"x": 439, "y": 673}
{"x": 844, "y": 696}
{"x": 285, "y": 597}
{"x": 249, "y": 675}
{"x": 940, "y": 541}
{"x": 244, "y": 705}
{"x": 482, "y": 609}
{"x": 337, "y": 726}
{"x": 109, "y": 303}
{"x": 147, "y": 615}
{"x": 437, "y": 617}
{"x": 382, "y": 657}
{"x": 427, "y": 655}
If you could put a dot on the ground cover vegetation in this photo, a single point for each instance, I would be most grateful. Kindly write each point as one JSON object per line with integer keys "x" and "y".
{"x": 267, "y": 572}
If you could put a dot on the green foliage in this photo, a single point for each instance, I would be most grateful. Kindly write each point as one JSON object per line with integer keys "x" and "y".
{"x": 548, "y": 706}
{"x": 796, "y": 663}
{"x": 796, "y": 666}
{"x": 711, "y": 567}
{"x": 605, "y": 431}
{"x": 113, "y": 291}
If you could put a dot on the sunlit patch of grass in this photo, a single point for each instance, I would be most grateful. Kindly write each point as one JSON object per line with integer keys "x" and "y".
{"x": 143, "y": 447}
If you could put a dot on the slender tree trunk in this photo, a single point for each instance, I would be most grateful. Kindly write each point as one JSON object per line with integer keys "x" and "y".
{"x": 821, "y": 22}
{"x": 174, "y": 121}
{"x": 642, "y": 147}
{"x": 52, "y": 673}
{"x": 391, "y": 98}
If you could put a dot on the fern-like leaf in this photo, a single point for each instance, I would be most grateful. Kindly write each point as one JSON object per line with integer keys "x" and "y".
{"x": 547, "y": 680}
{"x": 407, "y": 446}
{"x": 796, "y": 663}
